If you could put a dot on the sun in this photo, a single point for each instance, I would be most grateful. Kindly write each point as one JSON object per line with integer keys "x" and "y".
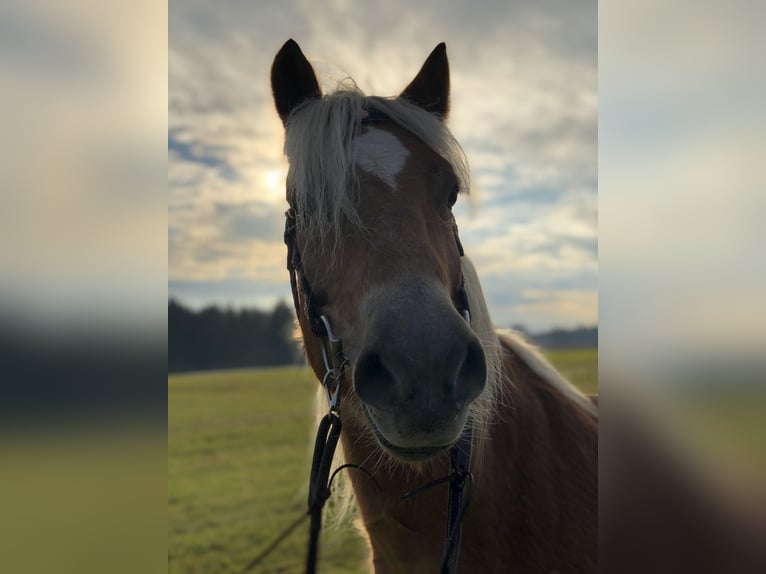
{"x": 273, "y": 182}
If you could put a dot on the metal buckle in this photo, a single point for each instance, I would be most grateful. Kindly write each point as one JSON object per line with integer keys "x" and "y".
{"x": 334, "y": 366}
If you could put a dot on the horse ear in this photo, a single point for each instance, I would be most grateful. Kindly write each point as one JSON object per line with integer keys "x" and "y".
{"x": 430, "y": 88}
{"x": 292, "y": 79}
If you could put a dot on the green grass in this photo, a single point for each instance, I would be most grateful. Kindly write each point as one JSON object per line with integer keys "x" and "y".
{"x": 238, "y": 462}
{"x": 580, "y": 366}
{"x": 238, "y": 455}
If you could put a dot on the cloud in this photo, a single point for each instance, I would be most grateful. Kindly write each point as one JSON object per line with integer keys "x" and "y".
{"x": 227, "y": 240}
{"x": 199, "y": 153}
{"x": 524, "y": 107}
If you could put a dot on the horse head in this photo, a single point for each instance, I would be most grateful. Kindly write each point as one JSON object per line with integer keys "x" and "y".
{"x": 371, "y": 186}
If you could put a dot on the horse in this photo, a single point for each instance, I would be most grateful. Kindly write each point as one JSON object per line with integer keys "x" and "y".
{"x": 371, "y": 185}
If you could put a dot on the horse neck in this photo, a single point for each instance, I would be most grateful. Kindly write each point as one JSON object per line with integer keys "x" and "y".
{"x": 535, "y": 484}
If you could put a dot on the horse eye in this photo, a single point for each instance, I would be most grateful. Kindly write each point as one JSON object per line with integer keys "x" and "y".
{"x": 453, "y": 196}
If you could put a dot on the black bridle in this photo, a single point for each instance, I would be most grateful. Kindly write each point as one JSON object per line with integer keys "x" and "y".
{"x": 328, "y": 433}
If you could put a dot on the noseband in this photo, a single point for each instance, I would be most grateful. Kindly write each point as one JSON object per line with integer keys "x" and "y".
{"x": 328, "y": 432}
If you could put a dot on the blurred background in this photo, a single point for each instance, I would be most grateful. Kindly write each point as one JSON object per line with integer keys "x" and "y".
{"x": 98, "y": 242}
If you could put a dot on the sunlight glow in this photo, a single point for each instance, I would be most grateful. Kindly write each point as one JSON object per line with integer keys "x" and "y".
{"x": 273, "y": 182}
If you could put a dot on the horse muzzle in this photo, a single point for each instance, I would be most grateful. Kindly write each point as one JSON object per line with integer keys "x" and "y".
{"x": 419, "y": 369}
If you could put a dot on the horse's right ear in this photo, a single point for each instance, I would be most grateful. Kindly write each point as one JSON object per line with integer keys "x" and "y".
{"x": 292, "y": 79}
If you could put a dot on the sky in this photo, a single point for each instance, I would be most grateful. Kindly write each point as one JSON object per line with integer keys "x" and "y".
{"x": 524, "y": 108}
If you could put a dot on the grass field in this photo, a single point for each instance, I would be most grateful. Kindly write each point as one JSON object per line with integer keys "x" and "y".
{"x": 238, "y": 462}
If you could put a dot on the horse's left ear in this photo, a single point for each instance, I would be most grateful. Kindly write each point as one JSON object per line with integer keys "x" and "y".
{"x": 430, "y": 88}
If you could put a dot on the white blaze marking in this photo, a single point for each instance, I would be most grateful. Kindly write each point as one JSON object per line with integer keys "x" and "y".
{"x": 380, "y": 153}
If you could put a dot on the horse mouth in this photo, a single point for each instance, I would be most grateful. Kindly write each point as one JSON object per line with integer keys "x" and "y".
{"x": 412, "y": 454}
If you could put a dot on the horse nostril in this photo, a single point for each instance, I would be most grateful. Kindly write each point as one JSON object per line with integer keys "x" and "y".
{"x": 374, "y": 383}
{"x": 473, "y": 373}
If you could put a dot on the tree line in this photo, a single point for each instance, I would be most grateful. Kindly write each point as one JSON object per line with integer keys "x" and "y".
{"x": 215, "y": 338}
